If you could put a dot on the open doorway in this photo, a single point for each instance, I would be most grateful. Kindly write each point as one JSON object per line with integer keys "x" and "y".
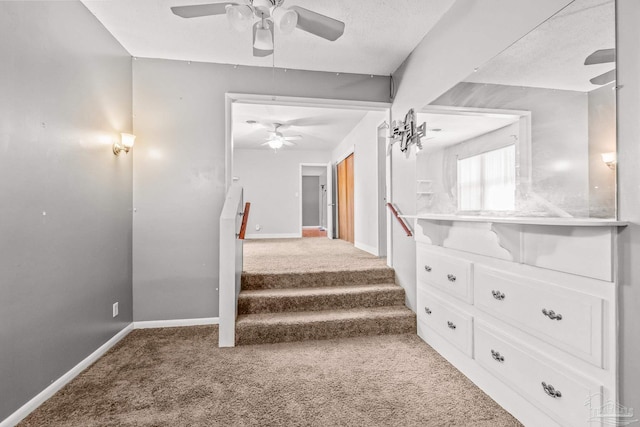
{"x": 313, "y": 200}
{"x": 270, "y": 139}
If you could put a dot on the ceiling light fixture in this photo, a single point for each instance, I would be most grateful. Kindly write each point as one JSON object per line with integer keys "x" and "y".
{"x": 609, "y": 159}
{"x": 268, "y": 14}
{"x": 263, "y": 37}
{"x": 275, "y": 143}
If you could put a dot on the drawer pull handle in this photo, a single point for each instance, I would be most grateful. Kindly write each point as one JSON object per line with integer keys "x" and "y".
{"x": 551, "y": 391}
{"x": 451, "y": 325}
{"x": 497, "y": 356}
{"x": 498, "y": 295}
{"x": 552, "y": 314}
{"x": 427, "y": 268}
{"x": 427, "y": 310}
{"x": 451, "y": 277}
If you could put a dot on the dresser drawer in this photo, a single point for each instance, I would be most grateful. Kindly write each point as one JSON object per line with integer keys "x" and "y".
{"x": 556, "y": 391}
{"x": 450, "y": 322}
{"x": 567, "y": 319}
{"x": 449, "y": 274}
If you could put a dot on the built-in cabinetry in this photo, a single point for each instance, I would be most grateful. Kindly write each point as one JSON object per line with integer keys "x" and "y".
{"x": 527, "y": 310}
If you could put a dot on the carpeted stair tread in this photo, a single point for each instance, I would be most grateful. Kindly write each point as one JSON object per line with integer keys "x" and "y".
{"x": 320, "y": 298}
{"x": 253, "y": 281}
{"x": 315, "y": 325}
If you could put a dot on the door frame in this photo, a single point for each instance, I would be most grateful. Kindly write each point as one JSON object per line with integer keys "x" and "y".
{"x": 320, "y": 165}
{"x": 244, "y": 98}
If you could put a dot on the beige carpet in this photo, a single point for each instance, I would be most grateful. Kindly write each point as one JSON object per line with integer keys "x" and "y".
{"x": 308, "y": 254}
{"x": 178, "y": 377}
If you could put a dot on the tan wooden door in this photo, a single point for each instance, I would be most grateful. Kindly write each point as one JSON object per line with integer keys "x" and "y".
{"x": 345, "y": 199}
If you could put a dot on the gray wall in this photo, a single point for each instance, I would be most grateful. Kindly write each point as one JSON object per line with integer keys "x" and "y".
{"x": 179, "y": 178}
{"x": 310, "y": 201}
{"x": 65, "y": 88}
{"x": 628, "y": 33}
{"x": 467, "y": 36}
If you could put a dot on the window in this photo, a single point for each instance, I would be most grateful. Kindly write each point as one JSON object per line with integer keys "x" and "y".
{"x": 487, "y": 181}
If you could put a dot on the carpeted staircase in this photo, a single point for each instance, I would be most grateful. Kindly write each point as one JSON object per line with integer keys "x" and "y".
{"x": 282, "y": 307}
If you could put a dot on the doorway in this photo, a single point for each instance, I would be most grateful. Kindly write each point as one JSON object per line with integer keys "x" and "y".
{"x": 346, "y": 199}
{"x": 313, "y": 200}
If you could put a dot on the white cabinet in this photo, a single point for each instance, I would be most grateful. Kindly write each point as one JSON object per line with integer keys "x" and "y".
{"x": 452, "y": 323}
{"x": 540, "y": 341}
{"x": 551, "y": 387}
{"x": 569, "y": 319}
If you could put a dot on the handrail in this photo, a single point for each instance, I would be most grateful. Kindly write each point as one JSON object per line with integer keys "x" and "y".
{"x": 230, "y": 265}
{"x": 400, "y": 220}
{"x": 245, "y": 218}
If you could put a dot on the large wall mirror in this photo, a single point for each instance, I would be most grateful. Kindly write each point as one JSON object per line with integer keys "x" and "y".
{"x": 533, "y": 131}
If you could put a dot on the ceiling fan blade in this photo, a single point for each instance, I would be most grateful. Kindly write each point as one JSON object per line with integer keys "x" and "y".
{"x": 261, "y": 52}
{"x": 605, "y": 78}
{"x": 289, "y": 143}
{"x": 601, "y": 56}
{"x": 293, "y": 138}
{"x": 197, "y": 10}
{"x": 317, "y": 24}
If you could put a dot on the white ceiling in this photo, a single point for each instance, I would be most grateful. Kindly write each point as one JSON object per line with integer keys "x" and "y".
{"x": 552, "y": 56}
{"x": 379, "y": 34}
{"x": 322, "y": 129}
{"x": 456, "y": 127}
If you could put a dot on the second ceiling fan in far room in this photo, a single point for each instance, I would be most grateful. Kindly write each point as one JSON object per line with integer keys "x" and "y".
{"x": 262, "y": 15}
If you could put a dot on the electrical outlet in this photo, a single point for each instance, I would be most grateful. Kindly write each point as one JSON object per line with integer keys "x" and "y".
{"x": 115, "y": 309}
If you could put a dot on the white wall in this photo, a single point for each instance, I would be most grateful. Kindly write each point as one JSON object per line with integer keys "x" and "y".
{"x": 271, "y": 184}
{"x": 363, "y": 141}
{"x": 628, "y": 66}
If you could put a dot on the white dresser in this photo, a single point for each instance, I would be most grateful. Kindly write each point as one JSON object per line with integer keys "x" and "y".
{"x": 526, "y": 309}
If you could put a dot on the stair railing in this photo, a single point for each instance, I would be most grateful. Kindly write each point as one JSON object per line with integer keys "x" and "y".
{"x": 400, "y": 220}
{"x": 232, "y": 219}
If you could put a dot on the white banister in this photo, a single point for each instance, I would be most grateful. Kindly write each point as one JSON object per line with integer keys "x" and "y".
{"x": 230, "y": 265}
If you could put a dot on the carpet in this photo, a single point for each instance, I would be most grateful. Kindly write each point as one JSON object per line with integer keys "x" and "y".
{"x": 306, "y": 255}
{"x": 179, "y": 377}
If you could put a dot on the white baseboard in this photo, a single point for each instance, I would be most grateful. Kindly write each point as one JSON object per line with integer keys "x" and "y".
{"x": 371, "y": 249}
{"x": 175, "y": 323}
{"x": 45, "y": 394}
{"x": 273, "y": 236}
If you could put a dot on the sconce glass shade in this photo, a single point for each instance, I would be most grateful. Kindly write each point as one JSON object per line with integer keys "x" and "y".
{"x": 285, "y": 19}
{"x": 125, "y": 144}
{"x": 264, "y": 40}
{"x": 610, "y": 159}
{"x": 127, "y": 140}
{"x": 239, "y": 16}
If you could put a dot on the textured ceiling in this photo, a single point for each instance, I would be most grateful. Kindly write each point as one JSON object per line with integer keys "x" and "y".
{"x": 552, "y": 55}
{"x": 458, "y": 127}
{"x": 322, "y": 129}
{"x": 379, "y": 34}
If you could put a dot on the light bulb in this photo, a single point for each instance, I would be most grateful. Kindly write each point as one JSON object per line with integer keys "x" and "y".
{"x": 285, "y": 18}
{"x": 239, "y": 16}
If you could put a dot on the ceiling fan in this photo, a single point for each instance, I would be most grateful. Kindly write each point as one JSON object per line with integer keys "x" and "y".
{"x": 602, "y": 56}
{"x": 241, "y": 16}
{"x": 276, "y": 139}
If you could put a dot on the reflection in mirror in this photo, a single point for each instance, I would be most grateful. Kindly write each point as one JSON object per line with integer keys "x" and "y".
{"x": 532, "y": 132}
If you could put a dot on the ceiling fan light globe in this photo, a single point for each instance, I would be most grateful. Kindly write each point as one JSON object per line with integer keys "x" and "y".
{"x": 275, "y": 143}
{"x": 264, "y": 40}
{"x": 239, "y": 16}
{"x": 286, "y": 19}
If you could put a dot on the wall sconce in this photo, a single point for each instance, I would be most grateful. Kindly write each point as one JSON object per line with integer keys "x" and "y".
{"x": 609, "y": 159}
{"x": 126, "y": 143}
